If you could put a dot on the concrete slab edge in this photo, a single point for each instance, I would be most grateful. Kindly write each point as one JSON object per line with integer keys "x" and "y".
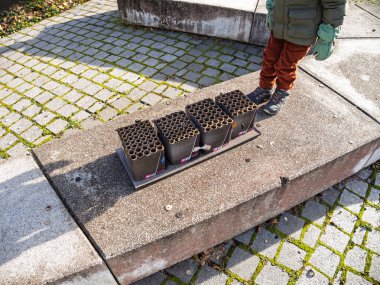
{"x": 339, "y": 94}
{"x": 160, "y": 254}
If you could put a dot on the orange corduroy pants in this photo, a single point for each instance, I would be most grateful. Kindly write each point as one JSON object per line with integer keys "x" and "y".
{"x": 280, "y": 62}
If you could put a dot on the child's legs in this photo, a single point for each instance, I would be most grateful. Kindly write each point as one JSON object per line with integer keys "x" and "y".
{"x": 271, "y": 55}
{"x": 286, "y": 66}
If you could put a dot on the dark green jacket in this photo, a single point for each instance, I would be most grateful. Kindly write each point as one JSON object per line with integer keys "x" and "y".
{"x": 297, "y": 21}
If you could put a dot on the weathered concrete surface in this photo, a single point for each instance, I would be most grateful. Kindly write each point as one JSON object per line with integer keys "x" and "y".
{"x": 360, "y": 24}
{"x": 39, "y": 240}
{"x": 372, "y": 8}
{"x": 224, "y": 19}
{"x": 353, "y": 71}
{"x": 259, "y": 31}
{"x": 318, "y": 140}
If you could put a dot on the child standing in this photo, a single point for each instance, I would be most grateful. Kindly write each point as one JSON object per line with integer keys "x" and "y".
{"x": 295, "y": 25}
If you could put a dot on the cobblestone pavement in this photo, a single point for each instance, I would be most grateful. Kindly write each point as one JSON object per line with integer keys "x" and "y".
{"x": 333, "y": 238}
{"x": 83, "y": 65}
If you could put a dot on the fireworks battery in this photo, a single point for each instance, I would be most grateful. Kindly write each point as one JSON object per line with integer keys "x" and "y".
{"x": 214, "y": 124}
{"x": 179, "y": 136}
{"x": 144, "y": 151}
{"x": 240, "y": 109}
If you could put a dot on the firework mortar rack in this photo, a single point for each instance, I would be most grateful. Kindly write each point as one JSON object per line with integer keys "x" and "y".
{"x": 182, "y": 139}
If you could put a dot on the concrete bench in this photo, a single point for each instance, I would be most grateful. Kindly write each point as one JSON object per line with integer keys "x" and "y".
{"x": 318, "y": 141}
{"x": 237, "y": 20}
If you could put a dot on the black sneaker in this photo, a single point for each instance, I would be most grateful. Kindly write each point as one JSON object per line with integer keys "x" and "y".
{"x": 277, "y": 101}
{"x": 260, "y": 95}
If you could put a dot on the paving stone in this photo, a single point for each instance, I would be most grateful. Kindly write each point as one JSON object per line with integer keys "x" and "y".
{"x": 153, "y": 279}
{"x": 351, "y": 201}
{"x": 172, "y": 92}
{"x": 311, "y": 276}
{"x": 3, "y": 111}
{"x": 192, "y": 76}
{"x": 371, "y": 215}
{"x": 325, "y": 260}
{"x": 85, "y": 102}
{"x": 18, "y": 150}
{"x": 374, "y": 270}
{"x": 57, "y": 126}
{"x": 70, "y": 79}
{"x": 81, "y": 84}
{"x": 23, "y": 87}
{"x": 32, "y": 93}
{"x": 291, "y": 256}
{"x": 183, "y": 270}
{"x": 315, "y": 212}
{"x": 21, "y": 125}
{"x": 104, "y": 95}
{"x": 353, "y": 279}
{"x": 7, "y": 140}
{"x": 44, "y": 118}
{"x": 44, "y": 97}
{"x": 130, "y": 77}
{"x": 134, "y": 107}
{"x": 148, "y": 86}
{"x": 32, "y": 134}
{"x": 243, "y": 263}
{"x": 100, "y": 78}
{"x": 343, "y": 219}
{"x": 55, "y": 104}
{"x": 330, "y": 196}
{"x": 364, "y": 173}
{"x": 11, "y": 99}
{"x": 67, "y": 110}
{"x": 92, "y": 89}
{"x": 73, "y": 96}
{"x": 80, "y": 116}
{"x": 151, "y": 99}
{"x": 272, "y": 275}
{"x": 22, "y": 104}
{"x": 356, "y": 258}
{"x": 96, "y": 107}
{"x": 291, "y": 225}
{"x": 245, "y": 237}
{"x": 357, "y": 186}
{"x": 210, "y": 276}
{"x": 266, "y": 243}
{"x": 121, "y": 103}
{"x": 5, "y": 92}
{"x": 335, "y": 238}
{"x": 374, "y": 196}
{"x": 113, "y": 83}
{"x": 359, "y": 235}
{"x": 108, "y": 113}
{"x": 377, "y": 181}
{"x": 206, "y": 81}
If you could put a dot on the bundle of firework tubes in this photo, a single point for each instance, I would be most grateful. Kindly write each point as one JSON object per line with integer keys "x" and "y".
{"x": 206, "y": 127}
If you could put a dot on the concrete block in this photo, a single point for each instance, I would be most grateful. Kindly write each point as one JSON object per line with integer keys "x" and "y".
{"x": 40, "y": 241}
{"x": 138, "y": 237}
{"x": 224, "y": 19}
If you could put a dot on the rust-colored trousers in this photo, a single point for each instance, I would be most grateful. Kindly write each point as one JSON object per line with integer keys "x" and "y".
{"x": 280, "y": 63}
